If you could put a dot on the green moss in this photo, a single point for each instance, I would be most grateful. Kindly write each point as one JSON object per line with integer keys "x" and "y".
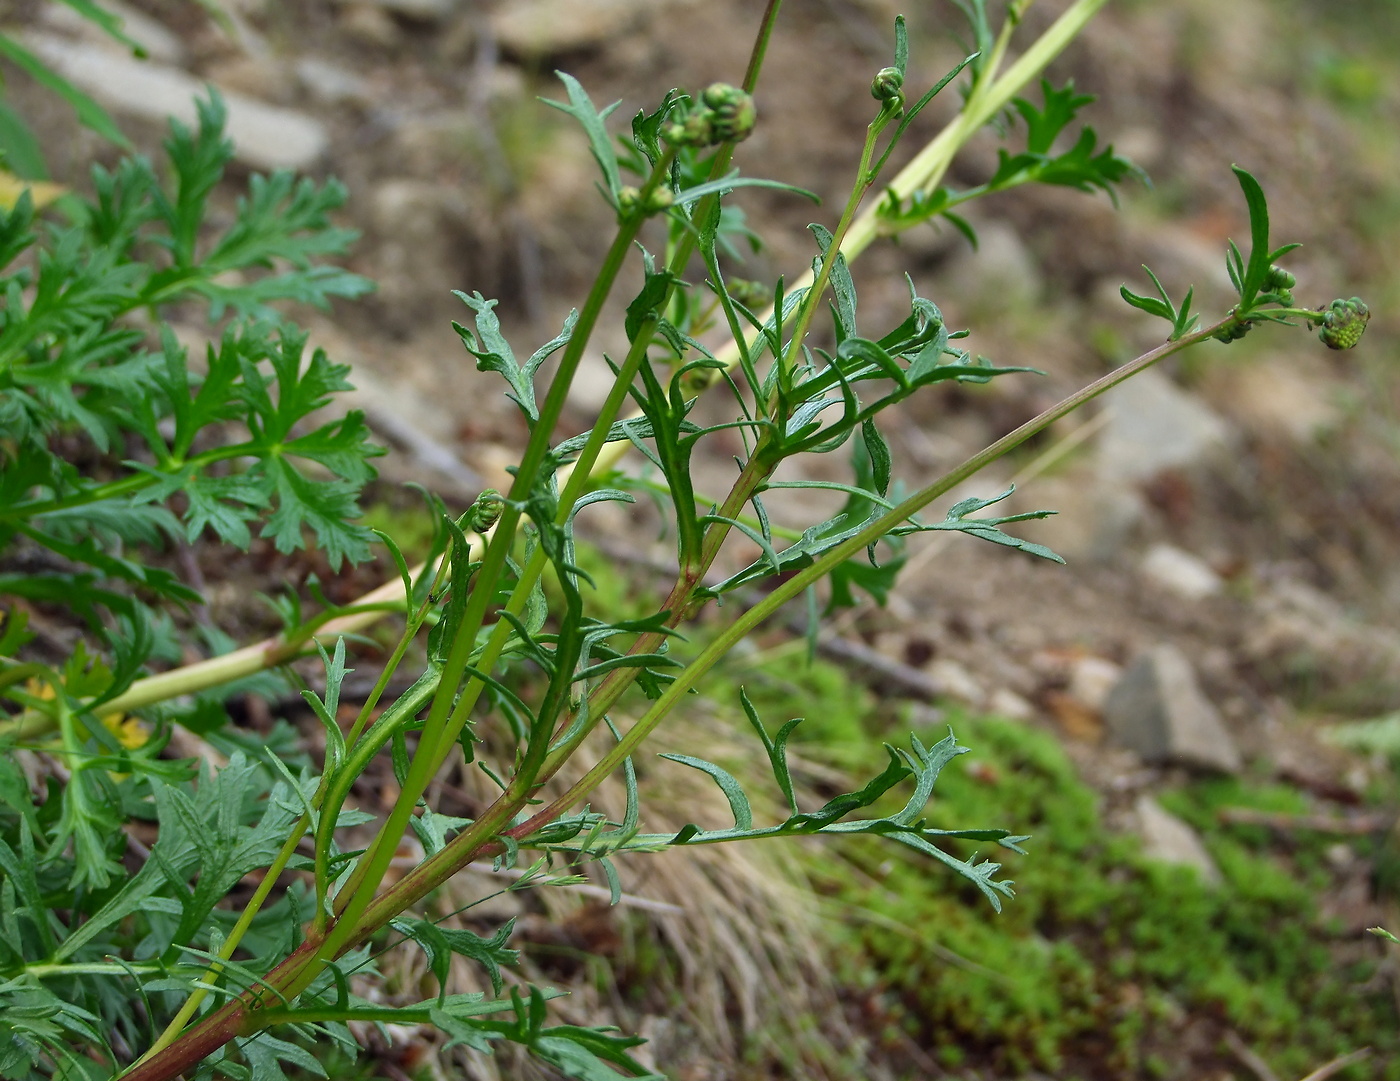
{"x": 1101, "y": 954}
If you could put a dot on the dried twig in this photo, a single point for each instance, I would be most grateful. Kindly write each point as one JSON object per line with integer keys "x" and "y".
{"x": 1248, "y": 1056}
{"x": 1338, "y": 1064}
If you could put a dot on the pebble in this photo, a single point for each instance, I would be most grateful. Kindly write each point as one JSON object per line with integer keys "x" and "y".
{"x": 1180, "y": 572}
{"x": 328, "y": 82}
{"x": 1007, "y": 703}
{"x": 536, "y": 29}
{"x": 1091, "y": 679}
{"x": 1157, "y": 710}
{"x": 264, "y": 136}
{"x": 955, "y": 681}
{"x": 1167, "y": 838}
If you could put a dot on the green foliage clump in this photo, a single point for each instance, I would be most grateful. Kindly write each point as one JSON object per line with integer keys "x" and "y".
{"x": 113, "y": 440}
{"x": 1104, "y": 953}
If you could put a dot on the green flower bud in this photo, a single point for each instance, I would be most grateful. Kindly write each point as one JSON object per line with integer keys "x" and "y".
{"x": 888, "y": 85}
{"x": 629, "y": 201}
{"x": 1343, "y": 322}
{"x": 1233, "y": 333}
{"x": 695, "y": 130}
{"x": 749, "y": 293}
{"x": 484, "y": 511}
{"x": 732, "y": 112}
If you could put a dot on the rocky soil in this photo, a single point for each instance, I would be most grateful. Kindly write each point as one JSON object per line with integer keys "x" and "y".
{"x": 1231, "y": 523}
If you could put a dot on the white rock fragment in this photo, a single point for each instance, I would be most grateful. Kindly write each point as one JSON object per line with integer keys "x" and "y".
{"x": 1167, "y": 838}
{"x": 1180, "y": 572}
{"x": 1091, "y": 679}
{"x": 265, "y": 136}
{"x": 543, "y": 28}
{"x": 1007, "y": 703}
{"x": 955, "y": 681}
{"x": 328, "y": 82}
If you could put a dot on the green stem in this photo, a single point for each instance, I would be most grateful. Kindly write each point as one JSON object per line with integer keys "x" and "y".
{"x": 90, "y": 968}
{"x": 444, "y": 723}
{"x": 794, "y": 586}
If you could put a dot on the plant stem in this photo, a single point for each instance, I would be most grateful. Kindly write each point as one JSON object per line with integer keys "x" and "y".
{"x": 792, "y": 587}
{"x": 444, "y": 722}
{"x": 925, "y": 170}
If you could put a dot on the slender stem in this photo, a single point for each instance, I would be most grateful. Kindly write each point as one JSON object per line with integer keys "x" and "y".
{"x": 760, "y": 45}
{"x": 444, "y": 722}
{"x": 925, "y": 170}
{"x": 245, "y": 920}
{"x": 792, "y": 587}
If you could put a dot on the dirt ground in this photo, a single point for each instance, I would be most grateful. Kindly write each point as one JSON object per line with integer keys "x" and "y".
{"x": 1278, "y": 488}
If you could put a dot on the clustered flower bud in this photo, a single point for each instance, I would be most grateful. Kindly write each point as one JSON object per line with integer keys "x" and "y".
{"x": 484, "y": 511}
{"x": 1280, "y": 283}
{"x": 1343, "y": 322}
{"x": 727, "y": 115}
{"x": 749, "y": 293}
{"x": 630, "y": 201}
{"x": 1232, "y": 333}
{"x": 888, "y": 87}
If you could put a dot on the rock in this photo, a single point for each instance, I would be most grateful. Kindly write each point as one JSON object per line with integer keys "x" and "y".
{"x": 264, "y": 136}
{"x": 262, "y": 77}
{"x": 370, "y": 24}
{"x": 1091, "y": 680}
{"x": 1157, "y": 710}
{"x": 1153, "y": 425}
{"x": 1007, "y": 703}
{"x": 955, "y": 681}
{"x": 1095, "y": 518}
{"x": 1167, "y": 838}
{"x": 1279, "y": 397}
{"x": 537, "y": 29}
{"x": 328, "y": 82}
{"x": 1180, "y": 572}
{"x": 420, "y": 231}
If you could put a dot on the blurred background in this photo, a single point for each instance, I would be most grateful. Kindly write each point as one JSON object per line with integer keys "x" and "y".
{"x": 1198, "y": 717}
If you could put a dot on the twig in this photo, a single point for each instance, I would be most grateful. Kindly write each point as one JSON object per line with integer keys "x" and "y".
{"x": 1339, "y": 1064}
{"x": 1248, "y": 1056}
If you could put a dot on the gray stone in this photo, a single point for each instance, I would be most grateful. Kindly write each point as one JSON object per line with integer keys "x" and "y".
{"x": 1167, "y": 838}
{"x": 264, "y": 136}
{"x": 1154, "y": 425}
{"x": 954, "y": 681}
{"x": 1095, "y": 519}
{"x": 1158, "y": 711}
{"x": 328, "y": 82}
{"x": 537, "y": 29}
